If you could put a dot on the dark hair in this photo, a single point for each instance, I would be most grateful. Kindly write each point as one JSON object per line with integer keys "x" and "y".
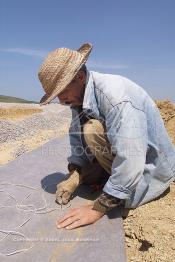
{"x": 83, "y": 68}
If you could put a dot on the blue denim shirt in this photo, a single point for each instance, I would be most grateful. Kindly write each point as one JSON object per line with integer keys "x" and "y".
{"x": 144, "y": 163}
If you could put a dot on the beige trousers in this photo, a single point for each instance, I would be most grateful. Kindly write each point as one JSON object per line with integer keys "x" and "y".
{"x": 97, "y": 141}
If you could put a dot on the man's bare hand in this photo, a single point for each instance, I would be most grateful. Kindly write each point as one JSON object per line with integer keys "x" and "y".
{"x": 80, "y": 216}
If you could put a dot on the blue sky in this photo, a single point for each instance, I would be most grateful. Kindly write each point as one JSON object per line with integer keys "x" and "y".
{"x": 133, "y": 38}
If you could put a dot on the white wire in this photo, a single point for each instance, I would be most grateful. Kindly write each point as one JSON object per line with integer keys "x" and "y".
{"x": 19, "y": 206}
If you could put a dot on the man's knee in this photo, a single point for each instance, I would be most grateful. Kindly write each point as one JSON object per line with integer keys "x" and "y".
{"x": 92, "y": 130}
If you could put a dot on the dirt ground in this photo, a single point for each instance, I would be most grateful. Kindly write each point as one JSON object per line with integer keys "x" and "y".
{"x": 16, "y": 113}
{"x": 149, "y": 229}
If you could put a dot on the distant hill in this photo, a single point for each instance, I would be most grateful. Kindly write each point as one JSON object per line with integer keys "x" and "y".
{"x": 12, "y": 99}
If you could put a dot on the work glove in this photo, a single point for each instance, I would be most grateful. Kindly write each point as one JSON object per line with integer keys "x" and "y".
{"x": 66, "y": 188}
{"x": 89, "y": 174}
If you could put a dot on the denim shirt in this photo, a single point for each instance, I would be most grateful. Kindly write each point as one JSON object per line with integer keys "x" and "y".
{"x": 144, "y": 163}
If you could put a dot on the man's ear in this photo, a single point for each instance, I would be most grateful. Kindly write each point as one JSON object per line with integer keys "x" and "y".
{"x": 80, "y": 75}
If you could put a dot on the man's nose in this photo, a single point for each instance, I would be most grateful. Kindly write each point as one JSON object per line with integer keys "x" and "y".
{"x": 62, "y": 97}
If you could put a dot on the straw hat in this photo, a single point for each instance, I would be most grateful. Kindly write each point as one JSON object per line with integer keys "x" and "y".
{"x": 59, "y": 68}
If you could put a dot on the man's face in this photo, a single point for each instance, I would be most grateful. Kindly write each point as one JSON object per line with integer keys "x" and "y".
{"x": 73, "y": 94}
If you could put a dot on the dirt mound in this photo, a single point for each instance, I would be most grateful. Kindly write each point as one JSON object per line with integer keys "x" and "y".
{"x": 167, "y": 110}
{"x": 15, "y": 113}
{"x": 149, "y": 229}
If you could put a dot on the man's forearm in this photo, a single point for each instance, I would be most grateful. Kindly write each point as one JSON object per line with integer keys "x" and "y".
{"x": 106, "y": 202}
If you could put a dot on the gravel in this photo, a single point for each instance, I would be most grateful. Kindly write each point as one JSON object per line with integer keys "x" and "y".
{"x": 53, "y": 116}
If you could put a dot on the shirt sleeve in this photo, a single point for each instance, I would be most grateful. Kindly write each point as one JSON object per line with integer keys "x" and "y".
{"x": 127, "y": 133}
{"x": 106, "y": 202}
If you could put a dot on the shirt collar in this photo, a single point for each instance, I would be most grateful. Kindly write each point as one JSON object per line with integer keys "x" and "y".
{"x": 89, "y": 100}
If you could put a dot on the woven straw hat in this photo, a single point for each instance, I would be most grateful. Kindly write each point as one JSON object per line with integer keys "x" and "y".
{"x": 59, "y": 68}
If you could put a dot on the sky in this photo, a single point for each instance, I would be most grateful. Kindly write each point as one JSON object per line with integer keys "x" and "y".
{"x": 132, "y": 38}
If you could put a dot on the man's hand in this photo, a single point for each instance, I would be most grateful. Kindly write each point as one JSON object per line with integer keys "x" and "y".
{"x": 80, "y": 216}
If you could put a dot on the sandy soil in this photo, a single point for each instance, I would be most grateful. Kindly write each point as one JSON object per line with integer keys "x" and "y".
{"x": 15, "y": 113}
{"x": 149, "y": 229}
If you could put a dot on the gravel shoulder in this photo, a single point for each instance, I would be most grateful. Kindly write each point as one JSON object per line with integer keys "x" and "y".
{"x": 34, "y": 126}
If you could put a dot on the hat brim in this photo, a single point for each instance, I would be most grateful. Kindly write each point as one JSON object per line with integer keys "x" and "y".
{"x": 85, "y": 50}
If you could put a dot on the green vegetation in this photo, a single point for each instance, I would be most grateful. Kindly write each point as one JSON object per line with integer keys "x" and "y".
{"x": 11, "y": 99}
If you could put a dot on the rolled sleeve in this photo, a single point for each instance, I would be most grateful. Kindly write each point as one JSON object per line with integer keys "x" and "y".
{"x": 127, "y": 134}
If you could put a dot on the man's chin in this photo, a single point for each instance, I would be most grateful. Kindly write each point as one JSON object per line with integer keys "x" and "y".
{"x": 76, "y": 104}
{"x": 65, "y": 104}
{"x": 72, "y": 103}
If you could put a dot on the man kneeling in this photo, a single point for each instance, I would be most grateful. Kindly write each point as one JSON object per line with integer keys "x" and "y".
{"x": 119, "y": 124}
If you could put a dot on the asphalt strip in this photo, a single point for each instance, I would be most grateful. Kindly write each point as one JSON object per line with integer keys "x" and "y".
{"x": 28, "y": 213}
